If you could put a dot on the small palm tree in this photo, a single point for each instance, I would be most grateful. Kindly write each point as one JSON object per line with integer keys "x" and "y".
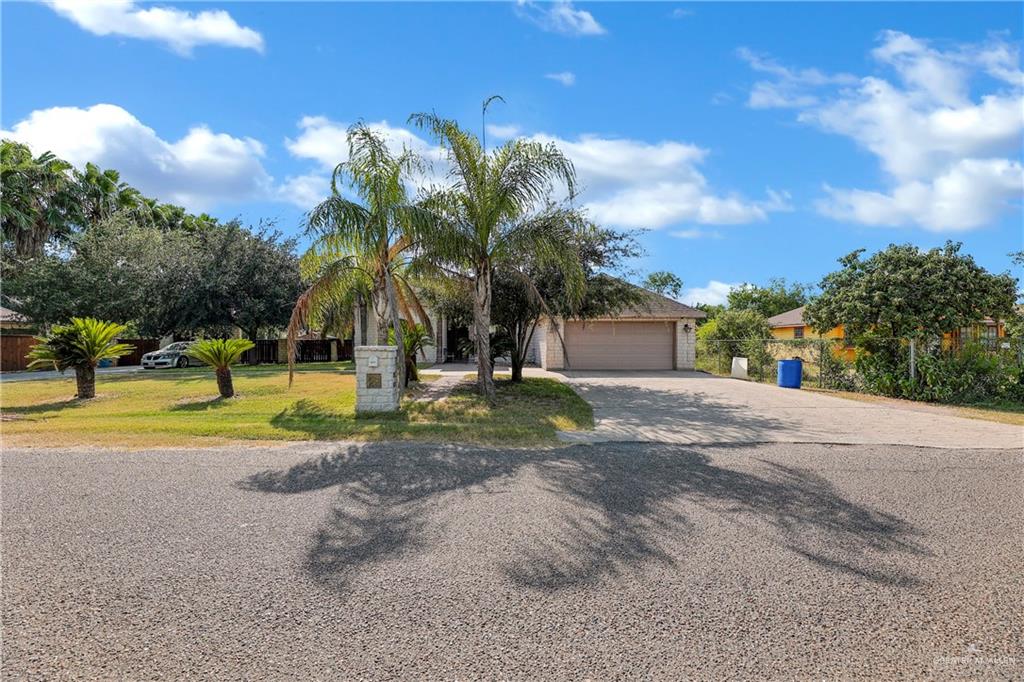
{"x": 415, "y": 338}
{"x": 81, "y": 346}
{"x": 221, "y": 354}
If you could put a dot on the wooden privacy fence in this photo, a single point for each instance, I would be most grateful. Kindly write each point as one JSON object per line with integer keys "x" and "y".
{"x": 13, "y": 349}
{"x": 142, "y": 346}
{"x": 270, "y": 351}
{"x": 264, "y": 352}
{"x": 314, "y": 350}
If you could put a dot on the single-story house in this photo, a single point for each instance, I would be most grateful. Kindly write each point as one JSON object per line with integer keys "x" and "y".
{"x": 15, "y": 321}
{"x": 660, "y": 334}
{"x": 790, "y": 325}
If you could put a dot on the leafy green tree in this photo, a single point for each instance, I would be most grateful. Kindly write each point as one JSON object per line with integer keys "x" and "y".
{"x": 777, "y": 297}
{"x": 80, "y": 345}
{"x": 525, "y": 291}
{"x": 712, "y": 310}
{"x": 664, "y": 283}
{"x": 904, "y": 292}
{"x": 734, "y": 333}
{"x": 494, "y": 211}
{"x": 252, "y": 276}
{"x": 363, "y": 246}
{"x": 112, "y": 270}
{"x": 38, "y": 202}
{"x": 736, "y": 324}
{"x": 221, "y": 354}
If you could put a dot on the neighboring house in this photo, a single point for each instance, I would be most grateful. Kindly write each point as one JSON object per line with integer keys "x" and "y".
{"x": 790, "y": 325}
{"x": 16, "y": 322}
{"x": 660, "y": 334}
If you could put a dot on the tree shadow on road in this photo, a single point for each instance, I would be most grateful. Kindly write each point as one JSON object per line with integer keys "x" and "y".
{"x": 643, "y": 499}
{"x": 609, "y": 509}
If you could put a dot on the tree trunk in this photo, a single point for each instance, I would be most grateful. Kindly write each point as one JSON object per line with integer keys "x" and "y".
{"x": 482, "y": 330}
{"x": 254, "y": 358}
{"x": 224, "y": 383}
{"x": 359, "y": 322}
{"x": 380, "y": 311}
{"x": 85, "y": 377}
{"x": 389, "y": 286}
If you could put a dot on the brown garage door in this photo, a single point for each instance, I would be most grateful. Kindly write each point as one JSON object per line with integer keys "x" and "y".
{"x": 619, "y": 345}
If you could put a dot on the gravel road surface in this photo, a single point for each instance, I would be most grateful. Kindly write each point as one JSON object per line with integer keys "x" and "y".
{"x": 617, "y": 560}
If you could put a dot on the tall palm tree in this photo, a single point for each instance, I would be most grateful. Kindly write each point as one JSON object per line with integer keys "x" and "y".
{"x": 496, "y": 208}
{"x": 37, "y": 203}
{"x": 363, "y": 247}
{"x": 101, "y": 193}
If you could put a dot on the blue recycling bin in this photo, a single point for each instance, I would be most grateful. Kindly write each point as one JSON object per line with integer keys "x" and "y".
{"x": 790, "y": 372}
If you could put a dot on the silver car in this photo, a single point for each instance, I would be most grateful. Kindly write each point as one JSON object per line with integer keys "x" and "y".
{"x": 169, "y": 356}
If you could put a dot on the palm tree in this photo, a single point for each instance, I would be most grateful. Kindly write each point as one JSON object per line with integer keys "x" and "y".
{"x": 221, "y": 354}
{"x": 81, "y": 346}
{"x": 101, "y": 193}
{"x": 363, "y": 247}
{"x": 37, "y": 202}
{"x": 415, "y": 338}
{"x": 492, "y": 214}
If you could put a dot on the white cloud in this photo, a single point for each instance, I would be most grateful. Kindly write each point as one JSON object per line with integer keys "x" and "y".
{"x": 633, "y": 184}
{"x": 715, "y": 293}
{"x": 969, "y": 195}
{"x": 326, "y": 142}
{"x": 178, "y": 29}
{"x": 623, "y": 182}
{"x": 696, "y": 234}
{"x": 951, "y": 161}
{"x": 305, "y": 191}
{"x": 560, "y": 17}
{"x": 566, "y": 78}
{"x": 681, "y": 13}
{"x": 199, "y": 171}
{"x": 790, "y": 86}
{"x": 503, "y": 132}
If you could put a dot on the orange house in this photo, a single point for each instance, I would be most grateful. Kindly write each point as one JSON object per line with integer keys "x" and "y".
{"x": 790, "y": 325}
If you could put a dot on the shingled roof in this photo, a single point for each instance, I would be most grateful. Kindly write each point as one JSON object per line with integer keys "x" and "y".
{"x": 8, "y": 315}
{"x": 660, "y": 306}
{"x": 790, "y": 318}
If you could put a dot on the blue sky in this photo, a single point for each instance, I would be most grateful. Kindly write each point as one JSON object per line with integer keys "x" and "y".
{"x": 754, "y": 140}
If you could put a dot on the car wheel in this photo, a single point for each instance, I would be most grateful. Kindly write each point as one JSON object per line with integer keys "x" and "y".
{"x": 182, "y": 362}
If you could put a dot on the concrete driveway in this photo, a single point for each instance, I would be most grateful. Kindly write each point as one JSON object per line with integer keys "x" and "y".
{"x": 694, "y": 407}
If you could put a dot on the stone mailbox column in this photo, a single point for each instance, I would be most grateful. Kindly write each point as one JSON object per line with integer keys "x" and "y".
{"x": 377, "y": 388}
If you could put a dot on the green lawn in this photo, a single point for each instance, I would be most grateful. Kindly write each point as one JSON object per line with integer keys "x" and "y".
{"x": 181, "y": 407}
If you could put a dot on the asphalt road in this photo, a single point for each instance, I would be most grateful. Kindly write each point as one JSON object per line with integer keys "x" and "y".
{"x": 39, "y": 375}
{"x": 616, "y": 560}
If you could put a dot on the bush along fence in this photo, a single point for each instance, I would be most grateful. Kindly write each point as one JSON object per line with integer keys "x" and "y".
{"x": 991, "y": 370}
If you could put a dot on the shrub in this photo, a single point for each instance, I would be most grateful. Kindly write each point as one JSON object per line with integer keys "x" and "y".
{"x": 80, "y": 345}
{"x": 969, "y": 374}
{"x": 221, "y": 354}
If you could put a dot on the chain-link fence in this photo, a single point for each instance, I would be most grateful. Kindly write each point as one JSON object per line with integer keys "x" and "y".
{"x": 939, "y": 370}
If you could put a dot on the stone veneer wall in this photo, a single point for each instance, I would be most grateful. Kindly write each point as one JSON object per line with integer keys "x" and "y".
{"x": 387, "y": 397}
{"x": 686, "y": 344}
